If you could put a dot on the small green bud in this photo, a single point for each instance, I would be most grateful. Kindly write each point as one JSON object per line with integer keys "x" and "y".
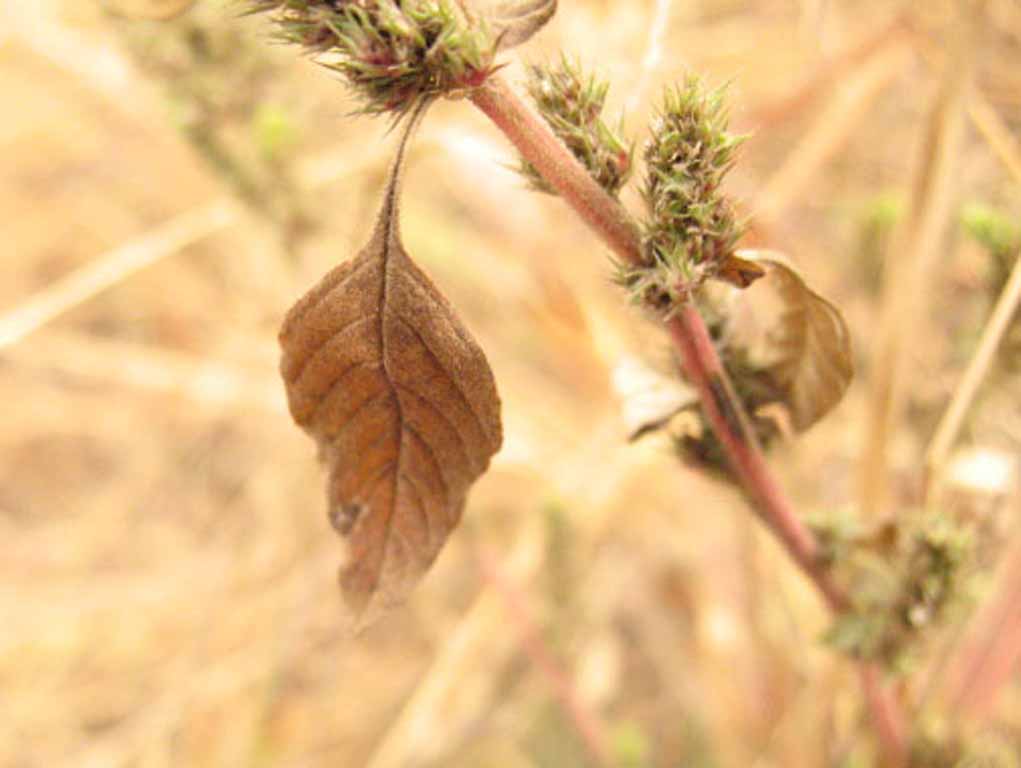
{"x": 274, "y": 130}
{"x": 994, "y": 231}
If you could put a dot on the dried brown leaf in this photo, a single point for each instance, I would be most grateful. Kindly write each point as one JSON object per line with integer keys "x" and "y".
{"x": 805, "y": 345}
{"x": 516, "y": 21}
{"x": 785, "y": 348}
{"x": 402, "y": 402}
{"x": 739, "y": 272}
{"x": 649, "y": 398}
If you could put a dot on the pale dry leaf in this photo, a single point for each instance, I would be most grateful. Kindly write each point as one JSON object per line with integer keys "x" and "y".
{"x": 515, "y": 21}
{"x": 805, "y": 346}
{"x": 402, "y": 402}
{"x": 157, "y": 10}
{"x": 649, "y": 399}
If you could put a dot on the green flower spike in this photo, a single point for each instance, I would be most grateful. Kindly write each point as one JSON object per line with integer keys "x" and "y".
{"x": 572, "y": 105}
{"x": 692, "y": 229}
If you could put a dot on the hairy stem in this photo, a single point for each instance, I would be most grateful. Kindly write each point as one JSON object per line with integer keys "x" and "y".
{"x": 539, "y": 145}
{"x": 610, "y": 220}
{"x": 604, "y": 214}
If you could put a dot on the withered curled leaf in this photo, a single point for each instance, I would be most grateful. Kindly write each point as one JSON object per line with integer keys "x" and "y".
{"x": 786, "y": 350}
{"x": 649, "y": 399}
{"x": 401, "y": 400}
{"x": 515, "y": 21}
{"x": 739, "y": 272}
{"x": 804, "y": 346}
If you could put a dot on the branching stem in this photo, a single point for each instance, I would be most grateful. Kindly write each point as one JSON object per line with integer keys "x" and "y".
{"x": 527, "y": 131}
{"x": 610, "y": 220}
{"x": 604, "y": 214}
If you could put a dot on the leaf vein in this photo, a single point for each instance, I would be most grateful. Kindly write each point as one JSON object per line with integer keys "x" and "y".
{"x": 362, "y": 407}
{"x": 329, "y": 339}
{"x": 431, "y": 454}
{"x": 453, "y": 379}
{"x": 419, "y": 504}
{"x": 468, "y": 458}
{"x": 294, "y": 321}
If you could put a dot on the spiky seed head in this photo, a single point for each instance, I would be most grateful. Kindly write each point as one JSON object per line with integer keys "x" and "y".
{"x": 691, "y": 227}
{"x": 393, "y": 53}
{"x": 572, "y": 104}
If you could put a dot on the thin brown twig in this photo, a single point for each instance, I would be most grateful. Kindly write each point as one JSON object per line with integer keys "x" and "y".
{"x": 608, "y": 218}
{"x": 953, "y": 418}
{"x": 823, "y": 77}
{"x": 87, "y": 281}
{"x": 996, "y": 133}
{"x": 589, "y": 729}
{"x": 838, "y": 123}
{"x": 912, "y": 259}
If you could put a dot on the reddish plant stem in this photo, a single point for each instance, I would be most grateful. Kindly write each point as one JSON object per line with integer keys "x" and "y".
{"x": 590, "y": 730}
{"x": 604, "y": 214}
{"x": 886, "y": 716}
{"x": 992, "y": 655}
{"x": 528, "y": 132}
{"x": 539, "y": 145}
{"x": 723, "y": 409}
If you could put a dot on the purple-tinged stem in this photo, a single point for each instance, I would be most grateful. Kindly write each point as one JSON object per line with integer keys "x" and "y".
{"x": 532, "y": 137}
{"x": 604, "y": 214}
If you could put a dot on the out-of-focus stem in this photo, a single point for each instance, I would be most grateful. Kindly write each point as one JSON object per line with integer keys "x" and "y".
{"x": 990, "y": 657}
{"x": 589, "y": 729}
{"x": 887, "y": 718}
{"x": 913, "y": 255}
{"x": 953, "y": 418}
{"x": 608, "y": 218}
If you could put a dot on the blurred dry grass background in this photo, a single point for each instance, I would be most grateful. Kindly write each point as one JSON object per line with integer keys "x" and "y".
{"x": 168, "y": 589}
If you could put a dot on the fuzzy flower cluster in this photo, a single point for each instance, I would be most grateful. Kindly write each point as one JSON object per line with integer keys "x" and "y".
{"x": 393, "y": 53}
{"x": 572, "y": 105}
{"x": 691, "y": 229}
{"x": 907, "y": 580}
